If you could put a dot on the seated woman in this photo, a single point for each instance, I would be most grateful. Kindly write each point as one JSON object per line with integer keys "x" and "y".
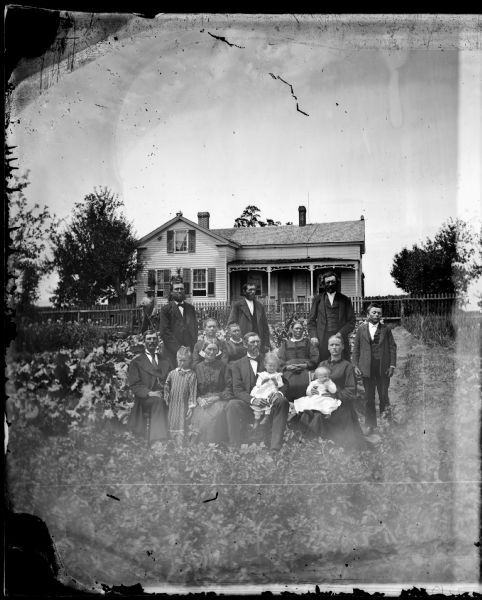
{"x": 298, "y": 357}
{"x": 235, "y": 348}
{"x": 211, "y": 329}
{"x": 342, "y": 424}
{"x": 209, "y": 417}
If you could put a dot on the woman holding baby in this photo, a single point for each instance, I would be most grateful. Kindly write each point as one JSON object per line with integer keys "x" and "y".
{"x": 333, "y": 419}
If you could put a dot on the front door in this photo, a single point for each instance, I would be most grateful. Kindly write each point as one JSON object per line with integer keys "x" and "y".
{"x": 285, "y": 285}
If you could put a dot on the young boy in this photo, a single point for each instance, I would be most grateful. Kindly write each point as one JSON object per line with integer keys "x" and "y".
{"x": 268, "y": 382}
{"x": 375, "y": 359}
{"x": 319, "y": 394}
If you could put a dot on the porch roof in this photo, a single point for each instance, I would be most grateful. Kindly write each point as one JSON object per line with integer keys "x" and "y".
{"x": 290, "y": 261}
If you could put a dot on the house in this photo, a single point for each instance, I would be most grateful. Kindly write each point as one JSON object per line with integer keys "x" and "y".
{"x": 285, "y": 262}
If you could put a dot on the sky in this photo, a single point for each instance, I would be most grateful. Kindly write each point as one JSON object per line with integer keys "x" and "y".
{"x": 173, "y": 119}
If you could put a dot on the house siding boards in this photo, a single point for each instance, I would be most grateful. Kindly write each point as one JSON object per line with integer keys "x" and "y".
{"x": 207, "y": 255}
{"x": 300, "y": 252}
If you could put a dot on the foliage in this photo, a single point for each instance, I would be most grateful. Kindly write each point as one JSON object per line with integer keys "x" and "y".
{"x": 31, "y": 228}
{"x": 250, "y": 217}
{"x": 49, "y": 336}
{"x": 95, "y": 254}
{"x": 446, "y": 264}
{"x": 445, "y": 330}
{"x": 59, "y": 391}
{"x": 310, "y": 511}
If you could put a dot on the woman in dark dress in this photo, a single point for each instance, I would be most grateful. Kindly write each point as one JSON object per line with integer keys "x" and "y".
{"x": 209, "y": 417}
{"x": 342, "y": 425}
{"x": 235, "y": 348}
{"x": 298, "y": 357}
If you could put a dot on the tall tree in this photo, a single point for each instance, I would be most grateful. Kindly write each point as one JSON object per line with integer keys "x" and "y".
{"x": 95, "y": 254}
{"x": 250, "y": 217}
{"x": 446, "y": 264}
{"x": 30, "y": 230}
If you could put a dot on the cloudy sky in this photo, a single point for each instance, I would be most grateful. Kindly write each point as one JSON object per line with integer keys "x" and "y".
{"x": 172, "y": 118}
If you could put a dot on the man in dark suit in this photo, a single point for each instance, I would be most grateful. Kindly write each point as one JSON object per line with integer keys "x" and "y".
{"x": 331, "y": 313}
{"x": 146, "y": 376}
{"x": 239, "y": 411}
{"x": 177, "y": 322}
{"x": 375, "y": 359}
{"x": 250, "y": 315}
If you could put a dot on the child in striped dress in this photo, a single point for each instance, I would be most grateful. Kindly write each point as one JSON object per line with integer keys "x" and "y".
{"x": 180, "y": 395}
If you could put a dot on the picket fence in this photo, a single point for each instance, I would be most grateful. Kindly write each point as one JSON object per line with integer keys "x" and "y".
{"x": 130, "y": 317}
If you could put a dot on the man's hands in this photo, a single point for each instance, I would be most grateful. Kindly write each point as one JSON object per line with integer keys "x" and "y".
{"x": 358, "y": 372}
{"x": 389, "y": 372}
{"x": 157, "y": 394}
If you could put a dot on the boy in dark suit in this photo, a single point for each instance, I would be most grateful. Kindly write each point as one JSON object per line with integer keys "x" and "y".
{"x": 375, "y": 359}
{"x": 239, "y": 411}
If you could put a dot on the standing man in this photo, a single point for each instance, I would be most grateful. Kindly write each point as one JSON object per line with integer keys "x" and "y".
{"x": 239, "y": 411}
{"x": 177, "y": 322}
{"x": 375, "y": 359}
{"x": 146, "y": 376}
{"x": 331, "y": 313}
{"x": 250, "y": 315}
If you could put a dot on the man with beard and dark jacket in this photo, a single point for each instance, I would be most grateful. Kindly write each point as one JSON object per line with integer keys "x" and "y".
{"x": 146, "y": 376}
{"x": 177, "y": 322}
{"x": 239, "y": 411}
{"x": 331, "y": 314}
{"x": 250, "y": 315}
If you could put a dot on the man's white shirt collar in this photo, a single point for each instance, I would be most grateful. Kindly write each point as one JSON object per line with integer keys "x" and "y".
{"x": 372, "y": 328}
{"x": 331, "y": 296}
{"x": 250, "y": 304}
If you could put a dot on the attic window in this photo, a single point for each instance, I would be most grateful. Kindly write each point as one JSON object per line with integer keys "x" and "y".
{"x": 180, "y": 240}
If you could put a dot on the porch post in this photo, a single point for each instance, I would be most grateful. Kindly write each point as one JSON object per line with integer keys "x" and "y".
{"x": 356, "y": 279}
{"x": 312, "y": 270}
{"x": 228, "y": 286}
{"x": 269, "y": 283}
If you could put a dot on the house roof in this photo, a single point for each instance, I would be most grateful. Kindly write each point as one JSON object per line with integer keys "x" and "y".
{"x": 211, "y": 232}
{"x": 338, "y": 232}
{"x": 316, "y": 233}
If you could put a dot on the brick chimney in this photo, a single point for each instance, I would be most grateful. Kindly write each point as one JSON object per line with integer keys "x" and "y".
{"x": 203, "y": 219}
{"x": 302, "y": 216}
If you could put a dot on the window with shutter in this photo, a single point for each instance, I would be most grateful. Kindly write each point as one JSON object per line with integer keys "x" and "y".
{"x": 159, "y": 281}
{"x": 211, "y": 282}
{"x": 151, "y": 278}
{"x": 192, "y": 240}
{"x": 170, "y": 241}
{"x": 186, "y": 276}
{"x": 199, "y": 282}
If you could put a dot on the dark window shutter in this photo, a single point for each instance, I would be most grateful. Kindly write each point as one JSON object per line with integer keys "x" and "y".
{"x": 166, "y": 282}
{"x": 211, "y": 282}
{"x": 192, "y": 240}
{"x": 170, "y": 241}
{"x": 186, "y": 276}
{"x": 151, "y": 278}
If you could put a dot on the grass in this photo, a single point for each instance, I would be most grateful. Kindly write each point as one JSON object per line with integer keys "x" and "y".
{"x": 405, "y": 511}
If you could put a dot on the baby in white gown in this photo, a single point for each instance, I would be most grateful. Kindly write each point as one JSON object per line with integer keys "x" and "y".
{"x": 319, "y": 394}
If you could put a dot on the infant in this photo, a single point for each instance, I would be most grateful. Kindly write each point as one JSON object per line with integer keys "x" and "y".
{"x": 319, "y": 394}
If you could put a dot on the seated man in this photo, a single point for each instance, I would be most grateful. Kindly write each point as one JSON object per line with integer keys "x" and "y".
{"x": 239, "y": 411}
{"x": 146, "y": 376}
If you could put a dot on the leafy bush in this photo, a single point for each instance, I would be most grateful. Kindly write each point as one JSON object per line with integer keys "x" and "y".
{"x": 60, "y": 390}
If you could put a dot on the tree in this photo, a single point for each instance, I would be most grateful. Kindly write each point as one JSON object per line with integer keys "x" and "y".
{"x": 95, "y": 255}
{"x": 30, "y": 230}
{"x": 446, "y": 264}
{"x": 250, "y": 217}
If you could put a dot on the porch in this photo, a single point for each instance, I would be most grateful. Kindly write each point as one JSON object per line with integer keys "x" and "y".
{"x": 292, "y": 281}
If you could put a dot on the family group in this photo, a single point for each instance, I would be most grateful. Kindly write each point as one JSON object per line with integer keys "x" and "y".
{"x": 211, "y": 390}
